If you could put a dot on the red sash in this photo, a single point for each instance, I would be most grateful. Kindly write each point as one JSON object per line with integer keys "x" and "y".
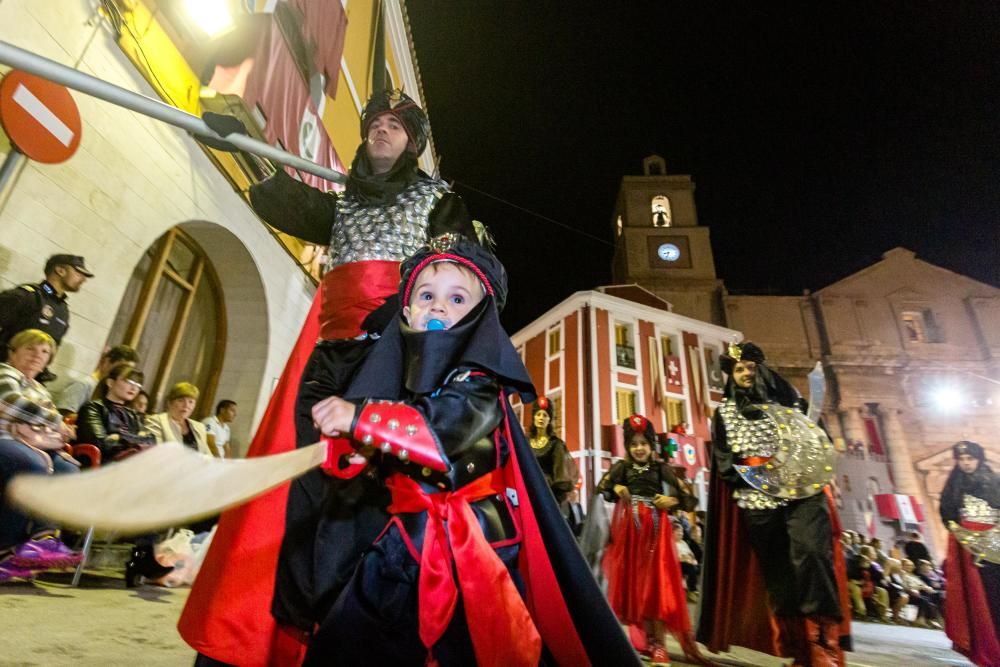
{"x": 351, "y": 292}
{"x": 501, "y": 628}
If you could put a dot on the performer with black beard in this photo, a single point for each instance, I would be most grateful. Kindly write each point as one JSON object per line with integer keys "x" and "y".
{"x": 474, "y": 564}
{"x": 971, "y": 501}
{"x": 386, "y": 213}
{"x": 793, "y": 543}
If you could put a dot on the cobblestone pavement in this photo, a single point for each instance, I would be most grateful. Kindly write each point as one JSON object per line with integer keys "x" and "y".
{"x": 49, "y": 624}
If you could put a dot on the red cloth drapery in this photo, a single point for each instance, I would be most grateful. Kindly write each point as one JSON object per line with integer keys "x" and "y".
{"x": 228, "y": 614}
{"x": 502, "y": 632}
{"x": 888, "y": 506}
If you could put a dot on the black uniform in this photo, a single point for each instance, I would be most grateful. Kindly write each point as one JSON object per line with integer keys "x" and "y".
{"x": 33, "y": 306}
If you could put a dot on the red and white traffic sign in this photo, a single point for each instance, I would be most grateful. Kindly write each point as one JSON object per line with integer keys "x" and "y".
{"x": 40, "y": 117}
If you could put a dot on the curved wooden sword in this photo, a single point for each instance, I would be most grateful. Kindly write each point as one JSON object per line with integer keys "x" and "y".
{"x": 166, "y": 485}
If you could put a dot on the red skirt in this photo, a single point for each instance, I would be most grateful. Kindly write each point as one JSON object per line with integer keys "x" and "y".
{"x": 642, "y": 569}
{"x": 968, "y": 619}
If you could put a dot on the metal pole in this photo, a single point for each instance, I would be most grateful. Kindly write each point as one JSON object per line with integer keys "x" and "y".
{"x": 71, "y": 78}
{"x": 9, "y": 166}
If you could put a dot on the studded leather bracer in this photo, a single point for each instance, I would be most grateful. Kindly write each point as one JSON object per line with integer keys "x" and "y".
{"x": 399, "y": 429}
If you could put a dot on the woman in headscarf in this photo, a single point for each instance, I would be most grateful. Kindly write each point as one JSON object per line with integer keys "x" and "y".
{"x": 971, "y": 500}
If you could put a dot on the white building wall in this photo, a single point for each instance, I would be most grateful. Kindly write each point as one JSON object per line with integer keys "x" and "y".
{"x": 132, "y": 179}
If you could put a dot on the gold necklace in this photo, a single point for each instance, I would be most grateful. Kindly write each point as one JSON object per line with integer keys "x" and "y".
{"x": 539, "y": 443}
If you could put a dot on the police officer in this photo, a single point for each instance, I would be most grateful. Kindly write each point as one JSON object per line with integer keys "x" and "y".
{"x": 43, "y": 305}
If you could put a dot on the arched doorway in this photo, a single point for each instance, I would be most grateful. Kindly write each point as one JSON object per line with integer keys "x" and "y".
{"x": 173, "y": 313}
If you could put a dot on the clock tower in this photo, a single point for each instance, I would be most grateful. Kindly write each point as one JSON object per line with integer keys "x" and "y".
{"x": 660, "y": 246}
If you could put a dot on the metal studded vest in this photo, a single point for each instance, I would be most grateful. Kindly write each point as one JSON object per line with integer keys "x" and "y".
{"x": 383, "y": 231}
{"x": 746, "y": 438}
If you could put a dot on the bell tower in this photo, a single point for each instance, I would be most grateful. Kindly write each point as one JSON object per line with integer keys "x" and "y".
{"x": 659, "y": 244}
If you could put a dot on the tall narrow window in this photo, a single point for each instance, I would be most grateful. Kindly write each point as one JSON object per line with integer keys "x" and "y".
{"x": 624, "y": 350}
{"x": 919, "y": 326}
{"x": 557, "y": 415}
{"x": 555, "y": 341}
{"x": 173, "y": 315}
{"x": 676, "y": 414}
{"x": 913, "y": 326}
{"x": 625, "y": 402}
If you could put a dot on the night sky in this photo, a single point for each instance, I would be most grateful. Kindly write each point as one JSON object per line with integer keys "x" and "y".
{"x": 818, "y": 136}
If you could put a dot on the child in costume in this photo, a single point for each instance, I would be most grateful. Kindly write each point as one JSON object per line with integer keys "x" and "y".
{"x": 475, "y": 565}
{"x": 645, "y": 586}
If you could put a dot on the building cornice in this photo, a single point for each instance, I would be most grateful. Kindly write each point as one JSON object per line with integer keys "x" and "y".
{"x": 624, "y": 307}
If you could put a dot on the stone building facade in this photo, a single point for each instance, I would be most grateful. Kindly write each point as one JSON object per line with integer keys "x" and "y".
{"x": 912, "y": 359}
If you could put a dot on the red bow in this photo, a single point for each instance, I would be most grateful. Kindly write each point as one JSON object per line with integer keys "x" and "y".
{"x": 501, "y": 628}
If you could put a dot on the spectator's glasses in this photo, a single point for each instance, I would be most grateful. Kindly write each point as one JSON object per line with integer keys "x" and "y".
{"x": 137, "y": 385}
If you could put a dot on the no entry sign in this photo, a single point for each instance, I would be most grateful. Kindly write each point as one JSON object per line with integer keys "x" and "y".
{"x": 40, "y": 117}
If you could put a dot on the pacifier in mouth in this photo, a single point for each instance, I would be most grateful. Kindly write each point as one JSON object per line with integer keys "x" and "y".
{"x": 435, "y": 325}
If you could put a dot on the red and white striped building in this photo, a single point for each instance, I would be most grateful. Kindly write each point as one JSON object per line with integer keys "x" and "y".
{"x": 604, "y": 354}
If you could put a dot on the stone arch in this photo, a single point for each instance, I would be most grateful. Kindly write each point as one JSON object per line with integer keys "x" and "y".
{"x": 248, "y": 330}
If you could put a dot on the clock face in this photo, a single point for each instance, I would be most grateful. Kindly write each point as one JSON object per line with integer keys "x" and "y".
{"x": 668, "y": 252}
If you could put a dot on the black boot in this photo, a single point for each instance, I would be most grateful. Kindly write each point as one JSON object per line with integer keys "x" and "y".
{"x": 143, "y": 564}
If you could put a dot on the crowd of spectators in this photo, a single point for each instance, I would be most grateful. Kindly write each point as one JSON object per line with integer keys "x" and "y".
{"x": 106, "y": 409}
{"x": 903, "y": 586}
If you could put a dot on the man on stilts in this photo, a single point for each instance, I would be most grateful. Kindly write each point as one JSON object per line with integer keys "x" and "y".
{"x": 771, "y": 514}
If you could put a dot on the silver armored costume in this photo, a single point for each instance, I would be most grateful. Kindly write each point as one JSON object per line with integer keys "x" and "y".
{"x": 798, "y": 455}
{"x": 392, "y": 231}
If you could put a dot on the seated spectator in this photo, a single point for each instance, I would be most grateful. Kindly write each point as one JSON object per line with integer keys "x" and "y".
{"x": 176, "y": 425}
{"x": 70, "y": 397}
{"x": 108, "y": 422}
{"x": 893, "y": 581}
{"x": 689, "y": 564}
{"x": 217, "y": 428}
{"x": 140, "y": 404}
{"x": 693, "y": 540}
{"x": 880, "y": 556}
{"x": 880, "y": 595}
{"x": 921, "y": 595}
{"x": 925, "y": 570}
{"x": 32, "y": 441}
{"x": 915, "y": 549}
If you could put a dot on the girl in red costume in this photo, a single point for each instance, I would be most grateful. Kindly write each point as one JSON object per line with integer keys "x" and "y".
{"x": 645, "y": 586}
{"x": 971, "y": 499}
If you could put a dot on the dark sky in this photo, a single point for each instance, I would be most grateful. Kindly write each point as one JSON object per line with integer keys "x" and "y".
{"x": 819, "y": 136}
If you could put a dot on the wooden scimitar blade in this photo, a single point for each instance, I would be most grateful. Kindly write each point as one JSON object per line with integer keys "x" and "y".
{"x": 167, "y": 485}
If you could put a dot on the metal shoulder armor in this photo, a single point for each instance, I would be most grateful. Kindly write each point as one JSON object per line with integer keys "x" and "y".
{"x": 783, "y": 454}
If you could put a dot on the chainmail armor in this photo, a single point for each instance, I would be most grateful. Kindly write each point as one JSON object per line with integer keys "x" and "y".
{"x": 750, "y": 437}
{"x": 383, "y": 232}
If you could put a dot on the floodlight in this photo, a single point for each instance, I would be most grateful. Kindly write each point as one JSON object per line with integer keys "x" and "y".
{"x": 213, "y": 16}
{"x": 948, "y": 397}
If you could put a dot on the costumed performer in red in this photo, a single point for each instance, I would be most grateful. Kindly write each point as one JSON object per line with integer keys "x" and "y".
{"x": 645, "y": 585}
{"x": 475, "y": 565}
{"x": 970, "y": 508}
{"x": 252, "y": 606}
{"x": 771, "y": 520}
